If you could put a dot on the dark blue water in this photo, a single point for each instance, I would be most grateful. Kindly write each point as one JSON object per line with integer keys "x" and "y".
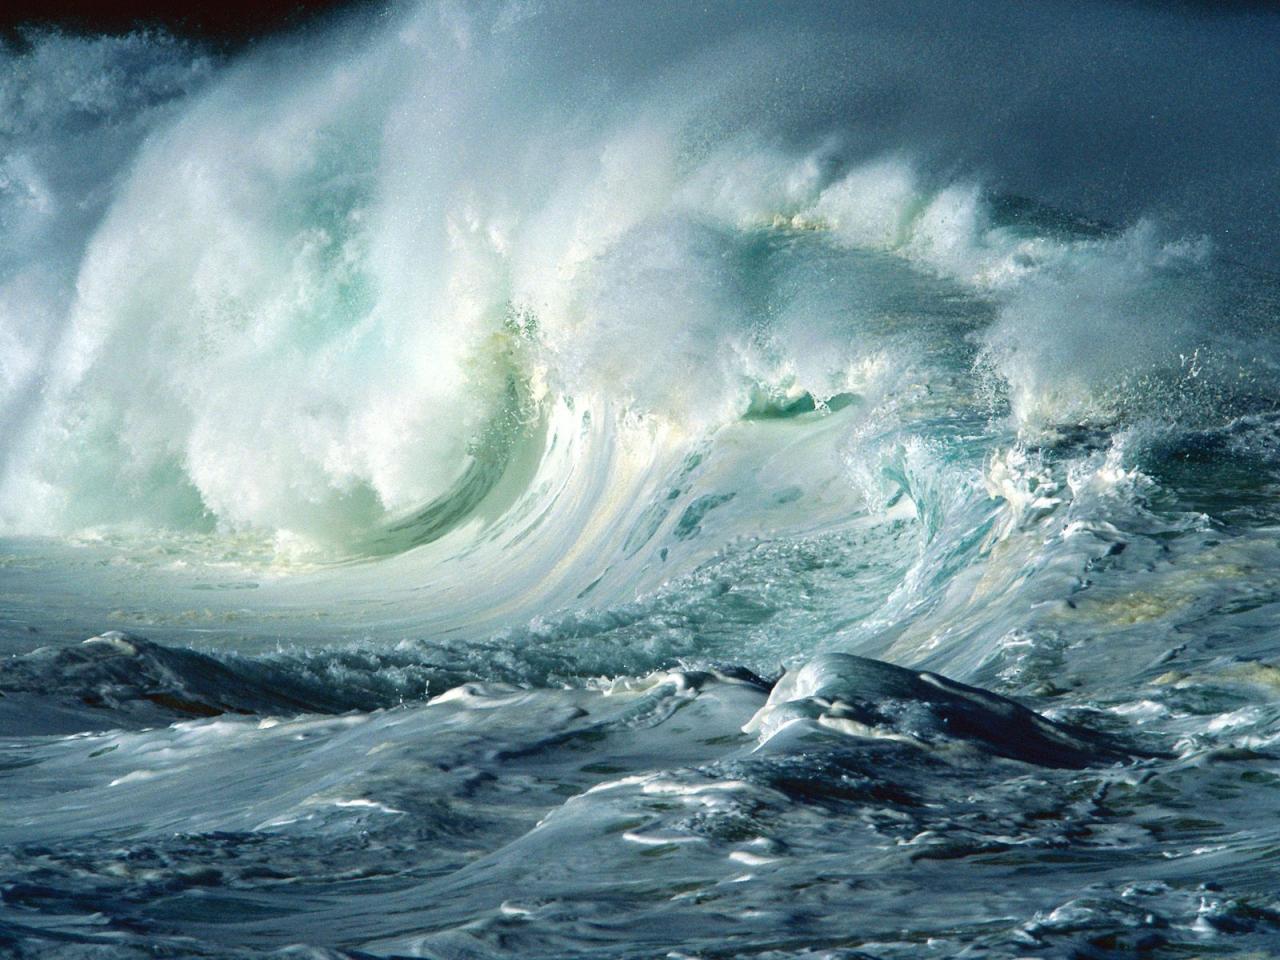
{"x": 543, "y": 480}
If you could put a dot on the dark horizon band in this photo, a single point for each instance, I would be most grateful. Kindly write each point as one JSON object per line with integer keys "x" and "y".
{"x": 231, "y": 21}
{"x": 236, "y": 21}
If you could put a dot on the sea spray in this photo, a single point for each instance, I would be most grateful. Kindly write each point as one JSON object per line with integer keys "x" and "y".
{"x": 451, "y": 426}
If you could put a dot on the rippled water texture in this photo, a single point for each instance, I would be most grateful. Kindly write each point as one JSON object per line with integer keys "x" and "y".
{"x": 654, "y": 480}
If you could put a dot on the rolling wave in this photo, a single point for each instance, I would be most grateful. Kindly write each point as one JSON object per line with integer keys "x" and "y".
{"x": 668, "y": 480}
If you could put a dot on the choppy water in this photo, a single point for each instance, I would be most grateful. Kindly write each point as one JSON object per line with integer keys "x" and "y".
{"x": 562, "y": 481}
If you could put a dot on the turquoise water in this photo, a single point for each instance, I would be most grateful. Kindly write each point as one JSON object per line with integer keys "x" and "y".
{"x": 562, "y": 481}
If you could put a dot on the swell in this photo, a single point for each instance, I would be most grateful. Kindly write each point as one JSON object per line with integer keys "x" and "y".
{"x": 116, "y": 681}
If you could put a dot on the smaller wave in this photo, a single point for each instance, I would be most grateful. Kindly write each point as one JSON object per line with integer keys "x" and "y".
{"x": 120, "y": 680}
{"x": 861, "y": 697}
{"x": 117, "y": 680}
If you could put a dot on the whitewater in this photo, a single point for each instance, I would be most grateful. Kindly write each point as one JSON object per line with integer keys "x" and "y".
{"x": 569, "y": 480}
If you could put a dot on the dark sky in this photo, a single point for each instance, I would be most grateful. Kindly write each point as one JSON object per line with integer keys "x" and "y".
{"x": 228, "y": 21}
{"x": 235, "y": 21}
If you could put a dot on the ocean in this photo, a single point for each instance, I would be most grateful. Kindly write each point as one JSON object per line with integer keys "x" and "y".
{"x": 663, "y": 480}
